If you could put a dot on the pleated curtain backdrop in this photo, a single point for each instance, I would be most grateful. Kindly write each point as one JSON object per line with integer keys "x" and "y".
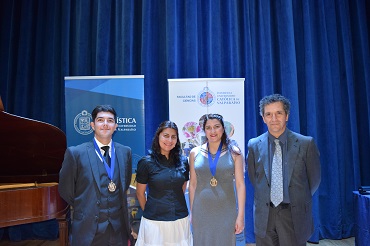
{"x": 316, "y": 53}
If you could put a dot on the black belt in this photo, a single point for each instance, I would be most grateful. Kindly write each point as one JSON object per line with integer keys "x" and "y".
{"x": 281, "y": 205}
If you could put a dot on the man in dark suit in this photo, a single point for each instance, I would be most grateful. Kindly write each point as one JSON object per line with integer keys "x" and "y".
{"x": 94, "y": 180}
{"x": 282, "y": 199}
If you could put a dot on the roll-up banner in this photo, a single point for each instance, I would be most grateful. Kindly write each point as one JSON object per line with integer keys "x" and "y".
{"x": 124, "y": 93}
{"x": 190, "y": 99}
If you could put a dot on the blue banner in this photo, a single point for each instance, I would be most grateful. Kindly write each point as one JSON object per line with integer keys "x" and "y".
{"x": 124, "y": 93}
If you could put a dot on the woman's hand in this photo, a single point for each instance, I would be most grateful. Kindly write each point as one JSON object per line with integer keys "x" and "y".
{"x": 239, "y": 225}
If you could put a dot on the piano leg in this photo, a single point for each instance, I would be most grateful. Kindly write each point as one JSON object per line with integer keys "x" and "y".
{"x": 63, "y": 231}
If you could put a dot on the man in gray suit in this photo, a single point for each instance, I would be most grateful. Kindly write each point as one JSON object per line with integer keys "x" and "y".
{"x": 286, "y": 221}
{"x": 94, "y": 179}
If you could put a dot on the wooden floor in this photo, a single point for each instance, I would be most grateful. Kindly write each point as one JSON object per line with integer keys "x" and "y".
{"x": 325, "y": 242}
{"x": 343, "y": 242}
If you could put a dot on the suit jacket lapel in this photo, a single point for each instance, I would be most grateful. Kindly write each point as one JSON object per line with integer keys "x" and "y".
{"x": 263, "y": 149}
{"x": 292, "y": 152}
{"x": 94, "y": 162}
{"x": 120, "y": 166}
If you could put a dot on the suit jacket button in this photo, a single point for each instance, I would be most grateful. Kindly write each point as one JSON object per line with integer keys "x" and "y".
{"x": 96, "y": 218}
{"x": 98, "y": 203}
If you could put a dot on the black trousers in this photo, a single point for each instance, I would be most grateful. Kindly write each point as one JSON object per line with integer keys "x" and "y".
{"x": 111, "y": 237}
{"x": 280, "y": 230}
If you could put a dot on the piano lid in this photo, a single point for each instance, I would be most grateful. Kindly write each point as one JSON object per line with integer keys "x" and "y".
{"x": 30, "y": 150}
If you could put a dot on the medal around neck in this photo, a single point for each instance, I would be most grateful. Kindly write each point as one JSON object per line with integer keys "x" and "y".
{"x": 112, "y": 186}
{"x": 110, "y": 170}
{"x": 213, "y": 182}
{"x": 213, "y": 164}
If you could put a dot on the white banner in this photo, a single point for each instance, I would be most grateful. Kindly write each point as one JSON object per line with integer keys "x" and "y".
{"x": 190, "y": 99}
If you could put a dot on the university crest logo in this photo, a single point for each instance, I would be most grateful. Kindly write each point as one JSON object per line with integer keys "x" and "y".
{"x": 82, "y": 123}
{"x": 206, "y": 97}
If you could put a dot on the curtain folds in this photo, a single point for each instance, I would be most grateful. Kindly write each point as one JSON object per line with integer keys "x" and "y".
{"x": 316, "y": 53}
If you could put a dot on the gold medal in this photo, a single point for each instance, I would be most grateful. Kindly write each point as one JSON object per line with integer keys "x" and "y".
{"x": 213, "y": 182}
{"x": 112, "y": 186}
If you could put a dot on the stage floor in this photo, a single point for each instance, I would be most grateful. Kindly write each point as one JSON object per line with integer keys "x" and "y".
{"x": 325, "y": 242}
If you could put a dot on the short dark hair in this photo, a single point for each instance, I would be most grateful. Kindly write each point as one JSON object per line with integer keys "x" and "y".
{"x": 272, "y": 99}
{"x": 103, "y": 108}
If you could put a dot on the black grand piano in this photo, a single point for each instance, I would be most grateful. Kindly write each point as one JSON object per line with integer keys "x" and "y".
{"x": 31, "y": 155}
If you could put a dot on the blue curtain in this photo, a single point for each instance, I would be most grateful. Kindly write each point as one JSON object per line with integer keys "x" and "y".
{"x": 316, "y": 53}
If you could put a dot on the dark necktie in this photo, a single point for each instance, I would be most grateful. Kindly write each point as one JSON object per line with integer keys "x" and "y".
{"x": 106, "y": 154}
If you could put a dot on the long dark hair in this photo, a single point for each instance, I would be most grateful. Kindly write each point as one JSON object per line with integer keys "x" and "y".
{"x": 175, "y": 153}
{"x": 224, "y": 138}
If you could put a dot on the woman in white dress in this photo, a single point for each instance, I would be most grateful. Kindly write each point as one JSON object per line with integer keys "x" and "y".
{"x": 165, "y": 172}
